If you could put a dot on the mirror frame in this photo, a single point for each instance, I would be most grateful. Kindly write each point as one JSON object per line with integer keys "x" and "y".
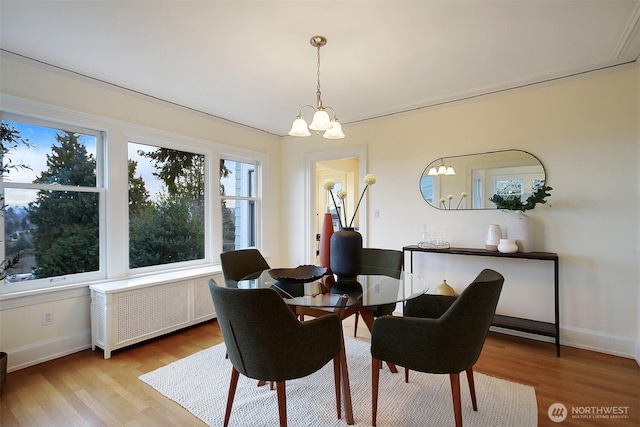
{"x": 458, "y": 198}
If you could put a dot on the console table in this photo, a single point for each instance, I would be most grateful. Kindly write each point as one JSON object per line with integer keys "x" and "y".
{"x": 508, "y": 322}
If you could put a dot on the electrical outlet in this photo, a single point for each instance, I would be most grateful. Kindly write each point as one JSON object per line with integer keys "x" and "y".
{"x": 47, "y": 318}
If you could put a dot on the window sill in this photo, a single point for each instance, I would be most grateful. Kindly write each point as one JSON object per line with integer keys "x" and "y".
{"x": 39, "y": 296}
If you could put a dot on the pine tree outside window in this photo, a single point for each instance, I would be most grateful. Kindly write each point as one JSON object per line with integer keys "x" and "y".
{"x": 166, "y": 206}
{"x": 53, "y": 205}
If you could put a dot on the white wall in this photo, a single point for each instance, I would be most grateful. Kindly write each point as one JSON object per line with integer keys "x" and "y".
{"x": 62, "y": 94}
{"x": 584, "y": 130}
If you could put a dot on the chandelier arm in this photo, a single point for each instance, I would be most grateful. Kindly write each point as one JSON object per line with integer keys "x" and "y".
{"x": 303, "y": 107}
{"x": 335, "y": 117}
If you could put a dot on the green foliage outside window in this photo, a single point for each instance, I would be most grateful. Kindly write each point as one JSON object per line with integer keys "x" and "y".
{"x": 170, "y": 228}
{"x": 66, "y": 234}
{"x": 10, "y": 139}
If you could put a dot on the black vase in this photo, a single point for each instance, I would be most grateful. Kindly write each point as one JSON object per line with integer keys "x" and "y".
{"x": 346, "y": 254}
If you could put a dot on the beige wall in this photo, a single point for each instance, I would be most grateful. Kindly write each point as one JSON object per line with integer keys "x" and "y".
{"x": 584, "y": 130}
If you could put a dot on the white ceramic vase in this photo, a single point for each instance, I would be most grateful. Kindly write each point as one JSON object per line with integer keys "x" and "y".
{"x": 494, "y": 234}
{"x": 519, "y": 228}
{"x": 507, "y": 246}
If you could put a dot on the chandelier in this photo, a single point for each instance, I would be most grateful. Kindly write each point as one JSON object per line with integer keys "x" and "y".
{"x": 321, "y": 121}
{"x": 442, "y": 169}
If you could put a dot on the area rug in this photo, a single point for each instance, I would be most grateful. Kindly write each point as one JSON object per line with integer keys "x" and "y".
{"x": 200, "y": 384}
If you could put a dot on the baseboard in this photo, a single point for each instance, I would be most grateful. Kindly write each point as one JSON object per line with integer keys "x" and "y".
{"x": 587, "y": 340}
{"x": 596, "y": 341}
{"x": 23, "y": 357}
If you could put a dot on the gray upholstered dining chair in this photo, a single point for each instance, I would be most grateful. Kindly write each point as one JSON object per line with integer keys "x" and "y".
{"x": 380, "y": 261}
{"x": 239, "y": 264}
{"x": 448, "y": 344}
{"x": 261, "y": 351}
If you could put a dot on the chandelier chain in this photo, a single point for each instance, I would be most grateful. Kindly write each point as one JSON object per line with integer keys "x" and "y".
{"x": 318, "y": 93}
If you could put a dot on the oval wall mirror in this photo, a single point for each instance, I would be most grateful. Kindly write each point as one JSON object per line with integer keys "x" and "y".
{"x": 469, "y": 181}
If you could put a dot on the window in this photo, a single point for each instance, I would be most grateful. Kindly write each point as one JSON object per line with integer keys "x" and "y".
{"x": 518, "y": 186}
{"x": 53, "y": 203}
{"x": 426, "y": 188}
{"x": 166, "y": 206}
{"x": 238, "y": 191}
{"x": 67, "y": 219}
{"x": 509, "y": 187}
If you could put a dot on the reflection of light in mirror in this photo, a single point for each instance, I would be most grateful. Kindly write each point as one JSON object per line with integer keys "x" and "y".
{"x": 479, "y": 175}
{"x": 441, "y": 170}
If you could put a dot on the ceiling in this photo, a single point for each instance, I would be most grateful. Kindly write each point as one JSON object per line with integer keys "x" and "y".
{"x": 251, "y": 62}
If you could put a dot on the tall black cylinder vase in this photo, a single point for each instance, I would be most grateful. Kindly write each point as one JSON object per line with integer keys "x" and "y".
{"x": 346, "y": 254}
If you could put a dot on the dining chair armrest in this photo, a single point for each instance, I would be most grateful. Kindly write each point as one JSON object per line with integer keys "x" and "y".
{"x": 326, "y": 328}
{"x": 430, "y": 341}
{"x": 428, "y": 306}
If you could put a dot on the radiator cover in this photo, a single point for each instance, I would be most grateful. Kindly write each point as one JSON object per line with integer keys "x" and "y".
{"x": 125, "y": 315}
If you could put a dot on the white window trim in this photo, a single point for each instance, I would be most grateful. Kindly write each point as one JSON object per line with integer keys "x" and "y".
{"x": 117, "y": 134}
{"x": 75, "y": 278}
{"x": 244, "y": 156}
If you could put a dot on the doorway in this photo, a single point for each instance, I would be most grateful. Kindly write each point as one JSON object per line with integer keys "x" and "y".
{"x": 344, "y": 167}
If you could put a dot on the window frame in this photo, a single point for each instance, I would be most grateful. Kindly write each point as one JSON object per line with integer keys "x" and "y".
{"x": 68, "y": 279}
{"x": 176, "y": 142}
{"x": 257, "y": 199}
{"x": 114, "y": 194}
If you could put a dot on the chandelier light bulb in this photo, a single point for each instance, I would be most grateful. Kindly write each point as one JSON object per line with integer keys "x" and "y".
{"x": 299, "y": 128}
{"x": 320, "y": 121}
{"x": 335, "y": 131}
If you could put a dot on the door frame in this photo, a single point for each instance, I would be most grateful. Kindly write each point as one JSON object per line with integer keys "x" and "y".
{"x": 357, "y": 151}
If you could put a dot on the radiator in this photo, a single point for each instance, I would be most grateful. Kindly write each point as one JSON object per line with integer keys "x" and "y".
{"x": 125, "y": 313}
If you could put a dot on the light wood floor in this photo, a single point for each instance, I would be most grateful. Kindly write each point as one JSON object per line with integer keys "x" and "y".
{"x": 85, "y": 389}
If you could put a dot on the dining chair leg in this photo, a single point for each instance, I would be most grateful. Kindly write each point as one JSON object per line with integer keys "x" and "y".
{"x": 346, "y": 386}
{"x": 367, "y": 317}
{"x": 472, "y": 388}
{"x": 282, "y": 403}
{"x": 355, "y": 325}
{"x": 336, "y": 379}
{"x": 455, "y": 392}
{"x": 406, "y": 375}
{"x": 232, "y": 393}
{"x": 375, "y": 377}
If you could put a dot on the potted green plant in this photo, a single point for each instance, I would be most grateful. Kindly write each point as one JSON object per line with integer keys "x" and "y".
{"x": 519, "y": 224}
{"x": 515, "y": 203}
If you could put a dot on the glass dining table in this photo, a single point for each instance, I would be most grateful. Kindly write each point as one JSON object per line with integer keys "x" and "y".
{"x": 320, "y": 296}
{"x": 369, "y": 290}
